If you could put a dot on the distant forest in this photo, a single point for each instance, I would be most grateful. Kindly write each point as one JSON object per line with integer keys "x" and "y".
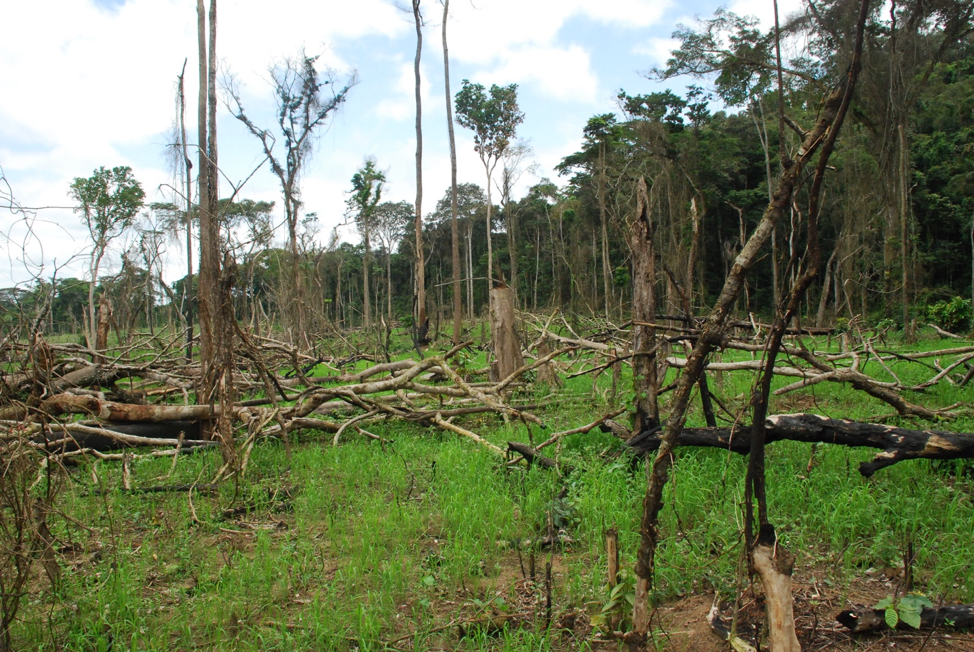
{"x": 897, "y": 218}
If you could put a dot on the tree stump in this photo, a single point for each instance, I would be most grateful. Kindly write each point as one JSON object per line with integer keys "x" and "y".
{"x": 504, "y": 340}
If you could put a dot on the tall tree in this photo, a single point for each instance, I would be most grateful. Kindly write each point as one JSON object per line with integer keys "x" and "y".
{"x": 366, "y": 194}
{"x": 454, "y": 235}
{"x": 493, "y": 118}
{"x": 303, "y": 110}
{"x": 422, "y": 323}
{"x": 391, "y": 220}
{"x": 108, "y": 201}
{"x": 187, "y": 166}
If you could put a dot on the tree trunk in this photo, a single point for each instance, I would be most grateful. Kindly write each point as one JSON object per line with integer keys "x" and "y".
{"x": 188, "y": 283}
{"x": 470, "y": 302}
{"x": 421, "y": 320}
{"x": 366, "y": 263}
{"x": 774, "y": 565}
{"x": 506, "y": 343}
{"x": 490, "y": 239}
{"x": 645, "y": 382}
{"x": 606, "y": 265}
{"x": 958, "y": 616}
{"x": 904, "y": 187}
{"x": 827, "y": 126}
{"x": 644, "y": 374}
{"x": 897, "y": 444}
{"x": 454, "y": 234}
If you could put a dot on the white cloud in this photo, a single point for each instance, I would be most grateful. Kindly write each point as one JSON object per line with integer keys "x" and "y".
{"x": 560, "y": 73}
{"x": 656, "y": 50}
{"x": 400, "y": 104}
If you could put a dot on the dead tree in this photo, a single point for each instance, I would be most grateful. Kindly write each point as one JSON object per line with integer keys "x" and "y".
{"x": 828, "y": 124}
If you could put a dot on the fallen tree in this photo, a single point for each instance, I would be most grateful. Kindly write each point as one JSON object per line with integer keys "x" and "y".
{"x": 897, "y": 444}
{"x": 957, "y": 616}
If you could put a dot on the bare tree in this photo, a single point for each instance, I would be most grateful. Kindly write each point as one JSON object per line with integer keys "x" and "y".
{"x": 454, "y": 236}
{"x": 303, "y": 110}
{"x": 422, "y": 323}
{"x": 188, "y": 168}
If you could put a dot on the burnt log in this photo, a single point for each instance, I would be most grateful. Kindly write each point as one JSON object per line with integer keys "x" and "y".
{"x": 957, "y": 616}
{"x": 897, "y": 444}
{"x": 116, "y": 436}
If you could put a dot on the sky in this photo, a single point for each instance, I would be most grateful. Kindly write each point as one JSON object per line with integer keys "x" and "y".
{"x": 91, "y": 83}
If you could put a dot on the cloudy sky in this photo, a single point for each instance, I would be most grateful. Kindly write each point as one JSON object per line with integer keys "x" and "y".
{"x": 89, "y": 83}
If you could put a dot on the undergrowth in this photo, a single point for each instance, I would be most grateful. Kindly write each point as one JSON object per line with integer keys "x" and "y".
{"x": 370, "y": 545}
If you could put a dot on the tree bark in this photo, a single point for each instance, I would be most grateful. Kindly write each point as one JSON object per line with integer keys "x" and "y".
{"x": 188, "y": 283}
{"x": 454, "y": 233}
{"x": 421, "y": 321}
{"x": 897, "y": 444}
{"x": 505, "y": 341}
{"x": 959, "y": 616}
{"x": 774, "y": 565}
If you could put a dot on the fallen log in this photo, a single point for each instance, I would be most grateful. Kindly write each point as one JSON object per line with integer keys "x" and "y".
{"x": 110, "y": 411}
{"x": 897, "y": 444}
{"x": 957, "y": 616}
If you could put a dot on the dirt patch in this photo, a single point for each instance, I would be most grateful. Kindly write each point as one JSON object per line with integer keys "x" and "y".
{"x": 682, "y": 626}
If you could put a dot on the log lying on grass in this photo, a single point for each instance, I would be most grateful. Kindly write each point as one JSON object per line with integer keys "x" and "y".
{"x": 897, "y": 444}
{"x": 958, "y": 616}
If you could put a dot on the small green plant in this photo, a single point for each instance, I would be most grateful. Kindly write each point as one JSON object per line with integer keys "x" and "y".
{"x": 907, "y": 609}
{"x": 616, "y": 610}
{"x": 953, "y": 315}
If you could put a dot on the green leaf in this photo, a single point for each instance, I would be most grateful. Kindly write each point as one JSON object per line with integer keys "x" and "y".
{"x": 915, "y": 601}
{"x": 891, "y": 617}
{"x": 884, "y": 603}
{"x": 911, "y": 617}
{"x": 429, "y": 580}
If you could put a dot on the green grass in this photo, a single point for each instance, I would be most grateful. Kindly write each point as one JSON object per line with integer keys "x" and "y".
{"x": 384, "y": 541}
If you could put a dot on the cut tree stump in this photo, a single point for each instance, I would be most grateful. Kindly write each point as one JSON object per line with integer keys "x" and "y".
{"x": 897, "y": 444}
{"x": 958, "y": 616}
{"x": 506, "y": 343}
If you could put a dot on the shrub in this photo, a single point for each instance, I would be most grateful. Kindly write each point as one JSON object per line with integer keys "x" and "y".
{"x": 953, "y": 315}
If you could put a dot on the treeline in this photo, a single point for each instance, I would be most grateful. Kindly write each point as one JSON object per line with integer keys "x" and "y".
{"x": 897, "y": 221}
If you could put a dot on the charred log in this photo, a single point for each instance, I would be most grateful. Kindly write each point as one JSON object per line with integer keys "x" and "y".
{"x": 958, "y": 616}
{"x": 897, "y": 444}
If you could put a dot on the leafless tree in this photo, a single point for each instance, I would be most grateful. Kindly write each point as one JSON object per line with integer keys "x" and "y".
{"x": 306, "y": 99}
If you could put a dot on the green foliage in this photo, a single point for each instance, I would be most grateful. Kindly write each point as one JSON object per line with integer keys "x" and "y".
{"x": 366, "y": 194}
{"x": 616, "y": 611}
{"x": 493, "y": 117}
{"x": 108, "y": 201}
{"x": 954, "y": 314}
{"x": 907, "y": 609}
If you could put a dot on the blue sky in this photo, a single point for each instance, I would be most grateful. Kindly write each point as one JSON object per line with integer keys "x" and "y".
{"x": 89, "y": 83}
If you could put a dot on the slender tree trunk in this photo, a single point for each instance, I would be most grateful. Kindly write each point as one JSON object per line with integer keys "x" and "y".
{"x": 96, "y": 256}
{"x": 206, "y": 259}
{"x": 470, "y": 269}
{"x": 823, "y": 299}
{"x": 420, "y": 262}
{"x": 606, "y": 266}
{"x": 366, "y": 264}
{"x": 905, "y": 233}
{"x": 188, "y": 283}
{"x": 454, "y": 234}
{"x": 389, "y": 286}
{"x": 490, "y": 239}
{"x": 537, "y": 266}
